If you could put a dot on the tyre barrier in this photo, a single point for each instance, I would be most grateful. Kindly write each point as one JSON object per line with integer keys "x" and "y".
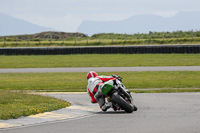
{"x": 157, "y": 49}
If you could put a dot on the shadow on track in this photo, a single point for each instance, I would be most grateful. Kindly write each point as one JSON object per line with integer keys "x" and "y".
{"x": 112, "y": 112}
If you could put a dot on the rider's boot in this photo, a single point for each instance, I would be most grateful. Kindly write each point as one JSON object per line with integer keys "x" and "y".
{"x": 106, "y": 106}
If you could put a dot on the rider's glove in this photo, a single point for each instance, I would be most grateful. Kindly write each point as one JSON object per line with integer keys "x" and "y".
{"x": 117, "y": 77}
{"x": 120, "y": 79}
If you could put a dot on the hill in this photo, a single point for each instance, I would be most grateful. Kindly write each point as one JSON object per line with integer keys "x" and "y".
{"x": 46, "y": 35}
{"x": 13, "y": 26}
{"x": 143, "y": 24}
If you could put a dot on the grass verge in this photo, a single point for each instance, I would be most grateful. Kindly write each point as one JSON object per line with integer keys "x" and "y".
{"x": 86, "y": 60}
{"x": 173, "y": 90}
{"x": 17, "y": 104}
{"x": 70, "y": 82}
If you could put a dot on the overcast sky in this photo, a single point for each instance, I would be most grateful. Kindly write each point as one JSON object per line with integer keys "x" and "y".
{"x": 67, "y": 15}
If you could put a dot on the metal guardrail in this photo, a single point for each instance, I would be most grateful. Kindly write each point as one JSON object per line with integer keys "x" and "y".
{"x": 153, "y": 49}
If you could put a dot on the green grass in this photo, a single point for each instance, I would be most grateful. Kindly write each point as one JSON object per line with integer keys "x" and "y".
{"x": 17, "y": 104}
{"x": 104, "y": 60}
{"x": 173, "y": 90}
{"x": 77, "y": 81}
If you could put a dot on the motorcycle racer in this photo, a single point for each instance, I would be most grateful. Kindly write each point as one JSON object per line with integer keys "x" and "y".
{"x": 95, "y": 83}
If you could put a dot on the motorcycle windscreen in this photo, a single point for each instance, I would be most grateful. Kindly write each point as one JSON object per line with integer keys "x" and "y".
{"x": 106, "y": 88}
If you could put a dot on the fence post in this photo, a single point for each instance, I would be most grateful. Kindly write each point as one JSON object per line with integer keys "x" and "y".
{"x": 16, "y": 39}
{"x": 125, "y": 37}
{"x": 39, "y": 40}
{"x": 50, "y": 38}
{"x": 192, "y": 34}
{"x": 63, "y": 38}
{"x": 4, "y": 40}
{"x": 138, "y": 36}
{"x": 149, "y": 36}
{"x": 112, "y": 37}
{"x": 99, "y": 38}
{"x": 177, "y": 34}
{"x": 28, "y": 40}
{"x": 75, "y": 38}
{"x": 87, "y": 39}
{"x": 163, "y": 36}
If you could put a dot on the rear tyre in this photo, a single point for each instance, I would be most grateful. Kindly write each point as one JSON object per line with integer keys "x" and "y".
{"x": 135, "y": 108}
{"x": 129, "y": 108}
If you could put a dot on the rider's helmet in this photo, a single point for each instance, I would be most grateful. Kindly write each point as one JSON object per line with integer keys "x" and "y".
{"x": 92, "y": 74}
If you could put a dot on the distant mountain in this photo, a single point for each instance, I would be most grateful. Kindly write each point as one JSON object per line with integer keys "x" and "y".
{"x": 143, "y": 24}
{"x": 13, "y": 26}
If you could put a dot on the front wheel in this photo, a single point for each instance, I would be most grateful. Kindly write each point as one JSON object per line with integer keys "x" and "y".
{"x": 129, "y": 108}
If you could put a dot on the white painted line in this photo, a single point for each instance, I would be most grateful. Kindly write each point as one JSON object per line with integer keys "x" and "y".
{"x": 48, "y": 117}
{"x": 7, "y": 125}
{"x": 49, "y": 122}
{"x": 83, "y": 108}
{"x": 54, "y": 116}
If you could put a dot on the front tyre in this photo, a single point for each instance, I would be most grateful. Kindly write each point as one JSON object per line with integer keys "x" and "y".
{"x": 129, "y": 108}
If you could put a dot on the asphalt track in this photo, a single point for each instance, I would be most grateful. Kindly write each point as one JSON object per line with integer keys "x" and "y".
{"x": 100, "y": 69}
{"x": 157, "y": 113}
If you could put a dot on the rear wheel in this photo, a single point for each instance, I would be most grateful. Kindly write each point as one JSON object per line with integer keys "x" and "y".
{"x": 129, "y": 108}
